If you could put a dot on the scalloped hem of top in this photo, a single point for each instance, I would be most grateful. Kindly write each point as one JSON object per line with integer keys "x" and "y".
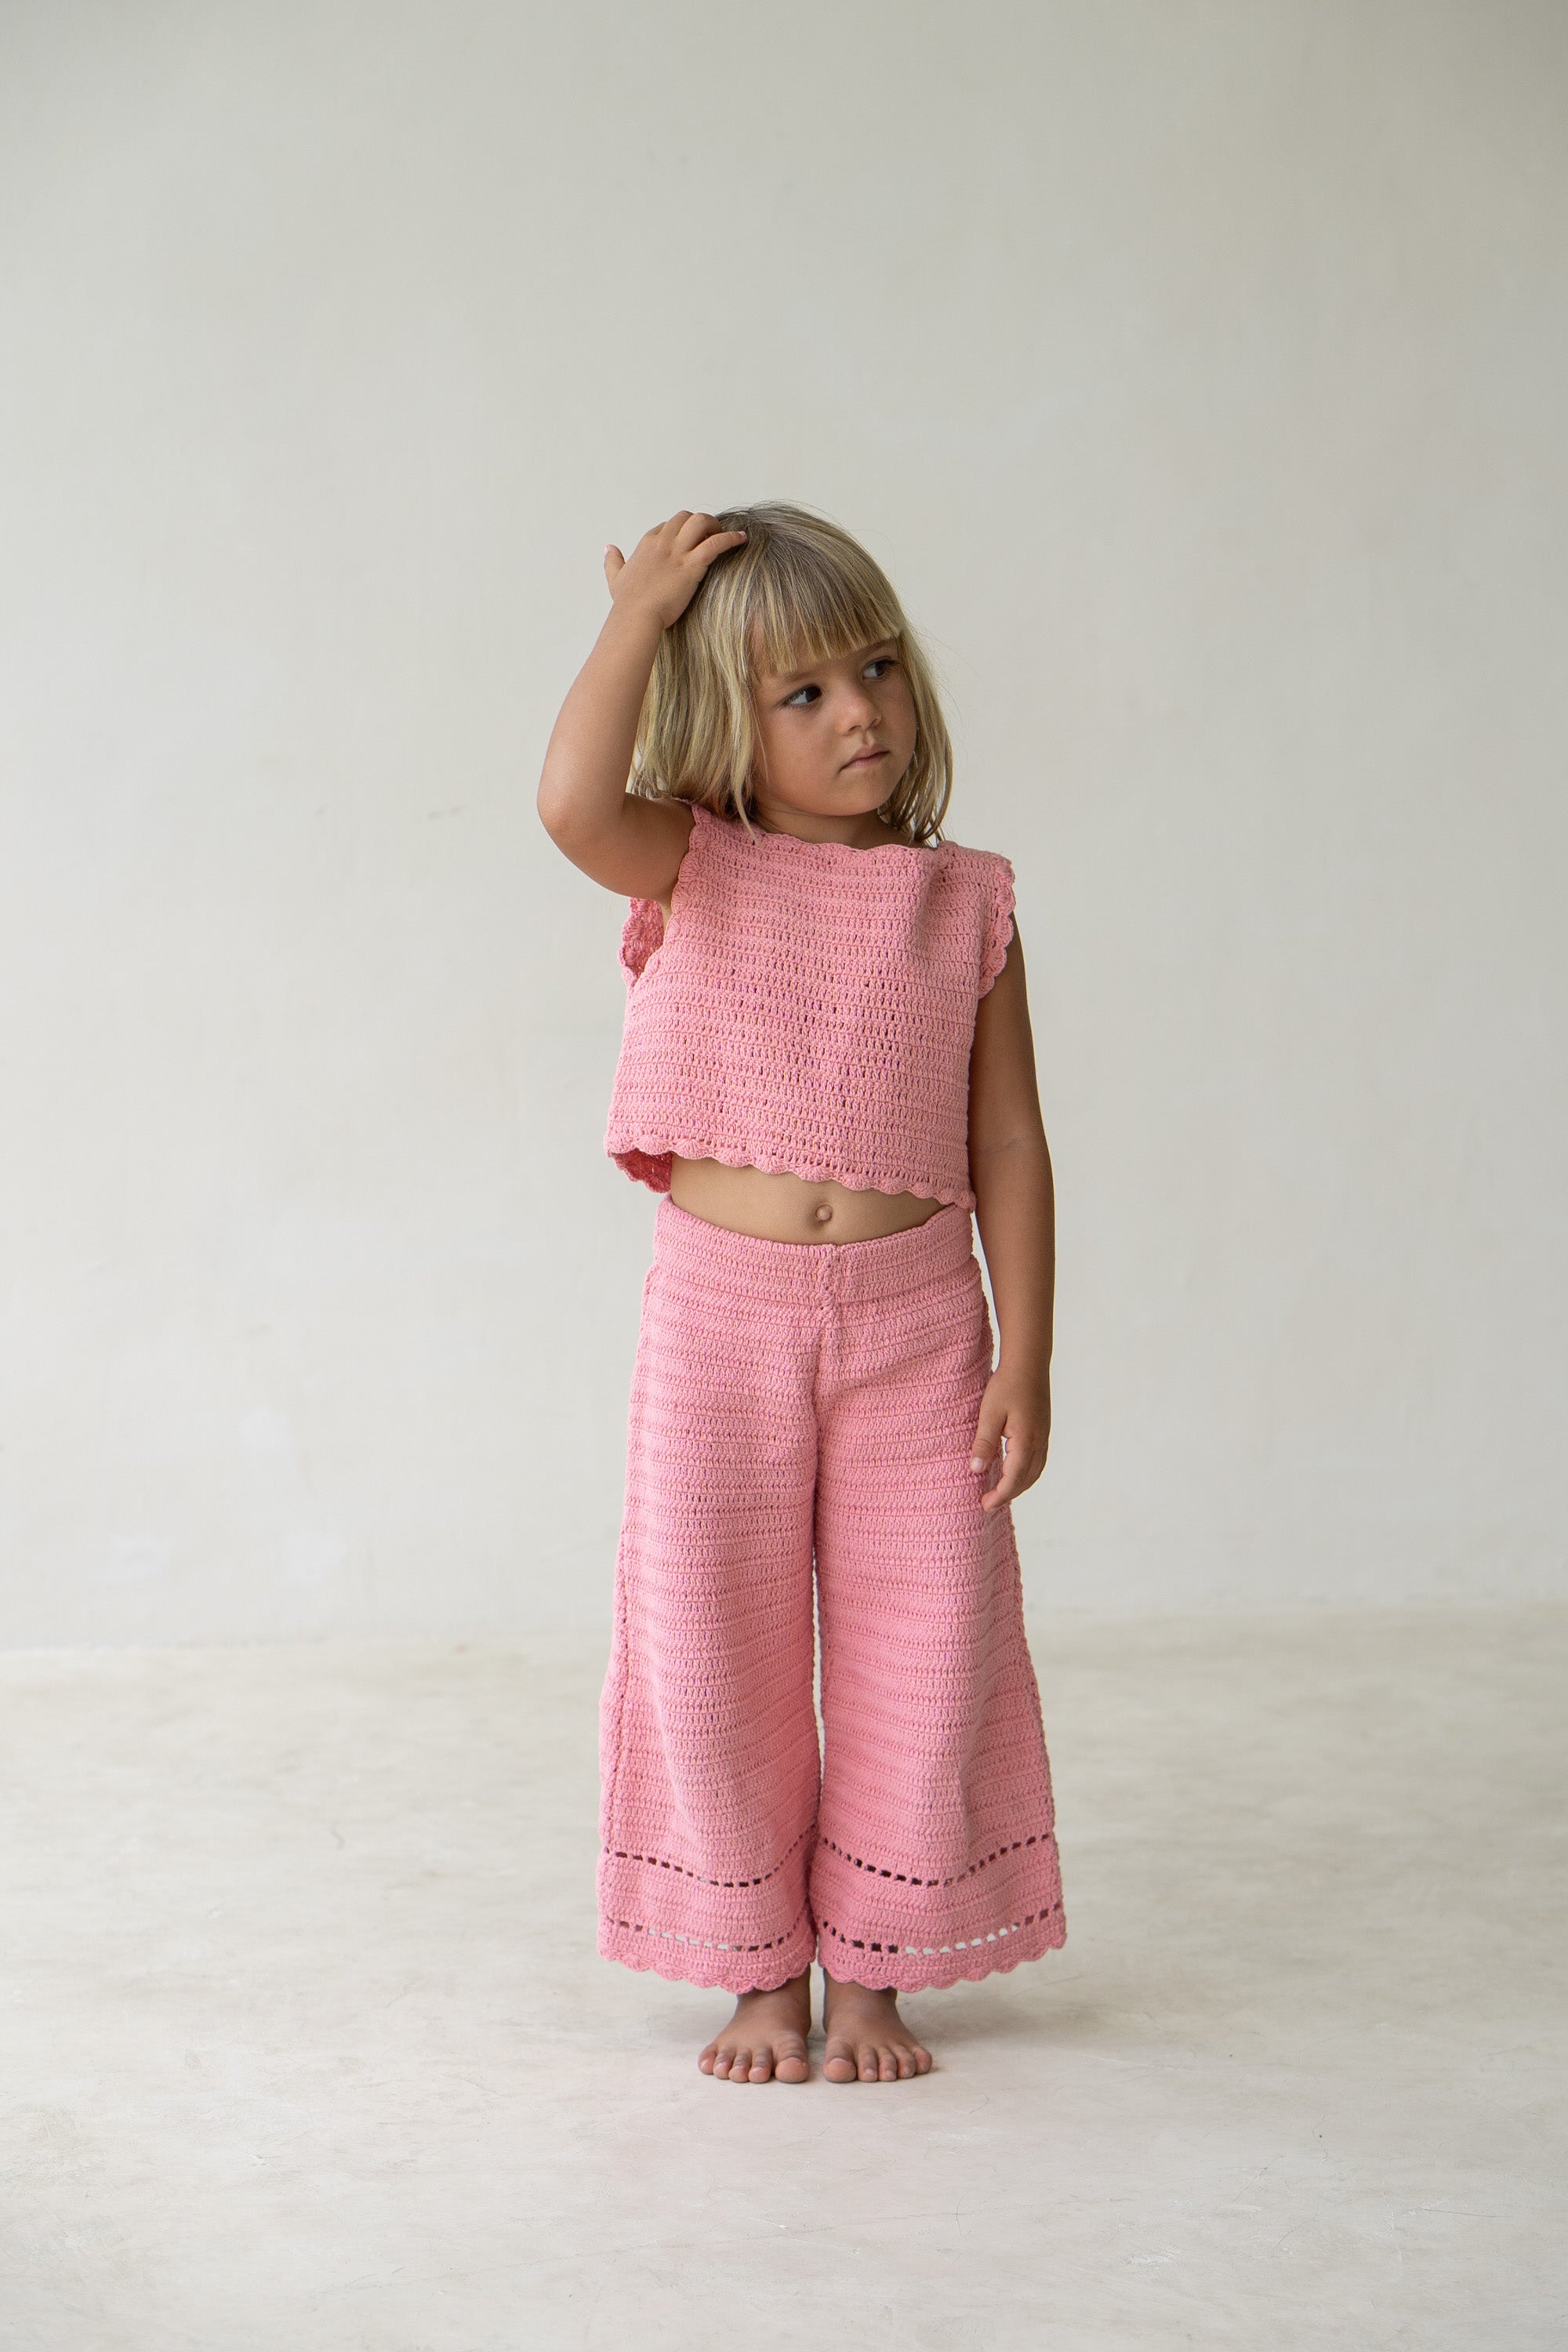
{"x": 692, "y": 1147}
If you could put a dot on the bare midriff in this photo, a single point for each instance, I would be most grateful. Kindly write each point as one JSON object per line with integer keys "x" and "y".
{"x": 786, "y": 1208}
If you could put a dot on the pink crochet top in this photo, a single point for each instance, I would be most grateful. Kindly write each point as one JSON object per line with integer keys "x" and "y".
{"x": 810, "y": 1009}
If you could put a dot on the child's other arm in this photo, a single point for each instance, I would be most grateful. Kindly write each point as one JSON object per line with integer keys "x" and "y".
{"x": 630, "y": 845}
{"x": 1014, "y": 1196}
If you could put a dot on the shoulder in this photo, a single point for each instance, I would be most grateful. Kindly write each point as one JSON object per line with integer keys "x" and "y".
{"x": 990, "y": 882}
{"x": 986, "y": 871}
{"x": 711, "y": 831}
{"x": 981, "y": 860}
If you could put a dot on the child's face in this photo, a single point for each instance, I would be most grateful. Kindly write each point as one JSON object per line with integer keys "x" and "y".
{"x": 834, "y": 740}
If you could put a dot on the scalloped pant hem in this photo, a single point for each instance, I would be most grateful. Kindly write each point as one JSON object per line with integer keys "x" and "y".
{"x": 881, "y": 1965}
{"x": 690, "y": 1959}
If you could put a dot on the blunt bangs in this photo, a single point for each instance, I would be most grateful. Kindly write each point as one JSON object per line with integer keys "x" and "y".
{"x": 804, "y": 609}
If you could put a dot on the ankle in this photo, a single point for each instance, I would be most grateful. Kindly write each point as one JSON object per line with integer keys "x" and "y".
{"x": 858, "y": 1991}
{"x": 794, "y": 1989}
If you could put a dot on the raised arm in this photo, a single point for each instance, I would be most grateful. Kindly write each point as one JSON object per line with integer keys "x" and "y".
{"x": 632, "y": 845}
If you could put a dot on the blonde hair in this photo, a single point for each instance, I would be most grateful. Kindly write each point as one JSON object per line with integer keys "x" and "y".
{"x": 799, "y": 590}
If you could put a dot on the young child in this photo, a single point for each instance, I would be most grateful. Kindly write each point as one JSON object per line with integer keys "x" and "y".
{"x": 826, "y": 1066}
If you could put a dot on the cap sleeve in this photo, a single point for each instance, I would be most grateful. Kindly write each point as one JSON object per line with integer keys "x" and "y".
{"x": 999, "y": 880}
{"x": 642, "y": 931}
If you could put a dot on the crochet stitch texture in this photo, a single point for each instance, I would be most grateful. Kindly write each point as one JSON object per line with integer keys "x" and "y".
{"x": 798, "y": 1447}
{"x": 810, "y": 1009}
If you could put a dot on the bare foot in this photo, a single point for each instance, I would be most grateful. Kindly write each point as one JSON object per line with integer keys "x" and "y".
{"x": 867, "y": 2040}
{"x": 765, "y": 2040}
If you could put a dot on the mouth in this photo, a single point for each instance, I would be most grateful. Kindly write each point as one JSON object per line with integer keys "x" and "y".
{"x": 868, "y": 759}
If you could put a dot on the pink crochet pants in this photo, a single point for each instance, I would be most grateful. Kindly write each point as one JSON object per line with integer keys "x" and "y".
{"x": 792, "y": 1398}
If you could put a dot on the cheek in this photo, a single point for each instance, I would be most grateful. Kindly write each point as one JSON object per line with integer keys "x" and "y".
{"x": 900, "y": 713}
{"x": 786, "y": 744}
{"x": 767, "y": 741}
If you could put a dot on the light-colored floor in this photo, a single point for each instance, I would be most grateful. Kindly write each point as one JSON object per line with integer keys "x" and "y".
{"x": 307, "y": 2047}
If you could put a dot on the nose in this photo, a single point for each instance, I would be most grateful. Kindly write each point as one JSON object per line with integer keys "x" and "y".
{"x": 859, "y": 709}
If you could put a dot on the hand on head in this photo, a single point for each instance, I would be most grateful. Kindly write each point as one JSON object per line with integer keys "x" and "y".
{"x": 667, "y": 565}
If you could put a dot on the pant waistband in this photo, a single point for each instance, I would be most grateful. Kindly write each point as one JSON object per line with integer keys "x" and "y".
{"x": 711, "y": 1258}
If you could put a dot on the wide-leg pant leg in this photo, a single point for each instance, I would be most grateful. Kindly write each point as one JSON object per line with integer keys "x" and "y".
{"x": 936, "y": 1856}
{"x": 708, "y": 1729}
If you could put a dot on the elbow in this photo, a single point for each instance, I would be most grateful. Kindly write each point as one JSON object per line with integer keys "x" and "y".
{"x": 1013, "y": 1149}
{"x": 586, "y": 835}
{"x": 557, "y": 812}
{"x": 551, "y": 803}
{"x": 1016, "y": 1167}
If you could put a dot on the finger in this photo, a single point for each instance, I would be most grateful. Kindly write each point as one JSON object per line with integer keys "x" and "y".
{"x": 694, "y": 527}
{"x": 708, "y": 551}
{"x": 987, "y": 1438}
{"x": 1022, "y": 1467}
{"x": 1015, "y": 1475}
{"x": 615, "y": 565}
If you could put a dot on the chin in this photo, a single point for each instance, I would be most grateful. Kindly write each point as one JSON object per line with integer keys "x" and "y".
{"x": 864, "y": 791}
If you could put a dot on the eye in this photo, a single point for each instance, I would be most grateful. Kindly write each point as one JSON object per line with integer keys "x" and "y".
{"x": 800, "y": 698}
{"x": 878, "y": 663}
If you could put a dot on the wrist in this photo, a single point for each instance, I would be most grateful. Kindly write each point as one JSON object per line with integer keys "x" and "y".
{"x": 633, "y": 625}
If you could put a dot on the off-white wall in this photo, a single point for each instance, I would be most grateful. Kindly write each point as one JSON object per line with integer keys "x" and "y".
{"x": 1198, "y": 372}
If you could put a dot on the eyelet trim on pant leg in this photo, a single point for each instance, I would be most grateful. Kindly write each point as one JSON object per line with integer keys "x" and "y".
{"x": 657, "y": 1862}
{"x": 906, "y": 1878}
{"x": 672, "y": 1955}
{"x": 967, "y": 1956}
{"x": 709, "y": 1943}
{"x": 935, "y": 1951}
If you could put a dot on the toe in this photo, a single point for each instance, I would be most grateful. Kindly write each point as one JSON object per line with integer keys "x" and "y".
{"x": 867, "y": 2064}
{"x": 905, "y": 2065}
{"x": 886, "y": 2066}
{"x": 791, "y": 2064}
{"x": 839, "y": 2064}
{"x": 762, "y": 2066}
{"x": 740, "y": 2065}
